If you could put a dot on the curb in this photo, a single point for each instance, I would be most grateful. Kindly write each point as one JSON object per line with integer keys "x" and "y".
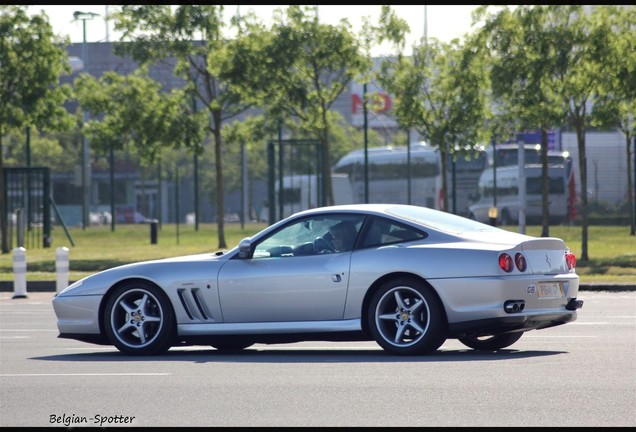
{"x": 50, "y": 286}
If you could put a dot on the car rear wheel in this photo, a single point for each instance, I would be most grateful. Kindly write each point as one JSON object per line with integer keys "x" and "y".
{"x": 139, "y": 320}
{"x": 491, "y": 343}
{"x": 406, "y": 318}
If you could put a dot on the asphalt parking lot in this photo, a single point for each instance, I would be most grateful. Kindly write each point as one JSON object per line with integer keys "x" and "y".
{"x": 581, "y": 374}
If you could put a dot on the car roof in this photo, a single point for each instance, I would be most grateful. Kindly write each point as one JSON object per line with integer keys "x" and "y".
{"x": 420, "y": 216}
{"x": 365, "y": 208}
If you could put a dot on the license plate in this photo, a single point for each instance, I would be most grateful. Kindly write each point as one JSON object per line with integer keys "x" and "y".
{"x": 549, "y": 290}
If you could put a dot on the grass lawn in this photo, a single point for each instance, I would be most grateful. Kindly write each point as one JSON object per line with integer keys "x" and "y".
{"x": 611, "y": 250}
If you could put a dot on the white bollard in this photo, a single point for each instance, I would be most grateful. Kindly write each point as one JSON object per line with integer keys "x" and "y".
{"x": 19, "y": 273}
{"x": 61, "y": 268}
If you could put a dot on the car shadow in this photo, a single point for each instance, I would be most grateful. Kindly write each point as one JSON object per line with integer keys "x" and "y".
{"x": 302, "y": 355}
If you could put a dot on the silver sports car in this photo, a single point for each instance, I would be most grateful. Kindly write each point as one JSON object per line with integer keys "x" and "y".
{"x": 404, "y": 276}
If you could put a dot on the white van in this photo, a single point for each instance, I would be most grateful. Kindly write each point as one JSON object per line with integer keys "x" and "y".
{"x": 508, "y": 195}
{"x": 388, "y": 174}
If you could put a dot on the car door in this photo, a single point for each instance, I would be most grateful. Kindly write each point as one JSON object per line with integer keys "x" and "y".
{"x": 287, "y": 278}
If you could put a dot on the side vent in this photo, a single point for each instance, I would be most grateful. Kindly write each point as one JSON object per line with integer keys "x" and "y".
{"x": 194, "y": 304}
{"x": 197, "y": 300}
{"x": 184, "y": 303}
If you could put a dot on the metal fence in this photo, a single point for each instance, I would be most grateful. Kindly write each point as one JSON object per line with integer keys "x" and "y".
{"x": 27, "y": 195}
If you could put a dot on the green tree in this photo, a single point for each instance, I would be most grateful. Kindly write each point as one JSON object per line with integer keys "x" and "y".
{"x": 45, "y": 150}
{"x": 616, "y": 103}
{"x": 568, "y": 55}
{"x": 32, "y": 59}
{"x": 344, "y": 137}
{"x": 524, "y": 66}
{"x": 133, "y": 112}
{"x": 194, "y": 36}
{"x": 298, "y": 68}
{"x": 582, "y": 50}
{"x": 249, "y": 135}
{"x": 440, "y": 92}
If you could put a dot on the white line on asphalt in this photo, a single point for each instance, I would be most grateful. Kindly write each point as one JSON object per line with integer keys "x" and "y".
{"x": 25, "y": 312}
{"x": 557, "y": 336}
{"x": 589, "y": 323}
{"x": 89, "y": 348}
{"x": 87, "y": 374}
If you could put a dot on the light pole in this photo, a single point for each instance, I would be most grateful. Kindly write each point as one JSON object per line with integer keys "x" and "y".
{"x": 84, "y": 16}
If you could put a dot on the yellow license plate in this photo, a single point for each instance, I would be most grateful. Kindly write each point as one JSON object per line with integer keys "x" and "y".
{"x": 549, "y": 290}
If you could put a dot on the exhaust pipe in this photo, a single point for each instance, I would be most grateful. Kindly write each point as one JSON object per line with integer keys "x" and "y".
{"x": 574, "y": 304}
{"x": 514, "y": 306}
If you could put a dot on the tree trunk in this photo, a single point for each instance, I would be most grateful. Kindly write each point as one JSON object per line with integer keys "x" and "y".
{"x": 545, "y": 232}
{"x": 3, "y": 204}
{"x": 580, "y": 137}
{"x": 326, "y": 161}
{"x": 630, "y": 193}
{"x": 220, "y": 207}
{"x": 444, "y": 158}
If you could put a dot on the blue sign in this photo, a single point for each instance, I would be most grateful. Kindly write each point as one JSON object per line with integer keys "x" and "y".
{"x": 534, "y": 137}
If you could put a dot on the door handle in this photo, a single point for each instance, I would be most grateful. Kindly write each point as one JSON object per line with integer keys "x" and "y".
{"x": 336, "y": 278}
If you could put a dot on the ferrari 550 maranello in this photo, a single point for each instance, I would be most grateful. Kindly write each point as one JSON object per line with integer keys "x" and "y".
{"x": 406, "y": 277}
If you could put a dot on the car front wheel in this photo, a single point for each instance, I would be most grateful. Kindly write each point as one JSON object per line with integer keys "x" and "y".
{"x": 139, "y": 320}
{"x": 406, "y": 318}
{"x": 491, "y": 343}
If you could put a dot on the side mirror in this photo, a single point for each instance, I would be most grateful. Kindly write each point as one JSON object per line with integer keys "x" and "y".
{"x": 245, "y": 248}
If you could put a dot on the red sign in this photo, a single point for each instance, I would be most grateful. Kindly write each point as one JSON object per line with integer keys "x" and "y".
{"x": 378, "y": 102}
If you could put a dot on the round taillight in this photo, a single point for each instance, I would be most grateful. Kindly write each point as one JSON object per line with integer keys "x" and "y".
{"x": 520, "y": 262}
{"x": 505, "y": 262}
{"x": 570, "y": 259}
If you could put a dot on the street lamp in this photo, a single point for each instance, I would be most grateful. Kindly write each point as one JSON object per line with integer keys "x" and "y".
{"x": 84, "y": 16}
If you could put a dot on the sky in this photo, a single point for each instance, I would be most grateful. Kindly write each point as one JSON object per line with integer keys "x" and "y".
{"x": 444, "y": 22}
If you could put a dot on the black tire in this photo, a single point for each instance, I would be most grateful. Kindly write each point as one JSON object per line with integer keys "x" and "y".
{"x": 491, "y": 343}
{"x": 405, "y": 317}
{"x": 139, "y": 320}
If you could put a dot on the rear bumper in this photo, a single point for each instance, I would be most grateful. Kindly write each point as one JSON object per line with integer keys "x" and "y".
{"x": 512, "y": 323}
{"x": 485, "y": 299}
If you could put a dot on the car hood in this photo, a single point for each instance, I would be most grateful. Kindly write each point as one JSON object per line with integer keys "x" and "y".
{"x": 204, "y": 265}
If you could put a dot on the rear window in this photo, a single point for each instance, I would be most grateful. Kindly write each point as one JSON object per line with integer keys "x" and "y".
{"x": 439, "y": 220}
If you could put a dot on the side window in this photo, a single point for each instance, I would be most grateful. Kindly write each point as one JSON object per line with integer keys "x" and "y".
{"x": 311, "y": 236}
{"x": 384, "y": 232}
